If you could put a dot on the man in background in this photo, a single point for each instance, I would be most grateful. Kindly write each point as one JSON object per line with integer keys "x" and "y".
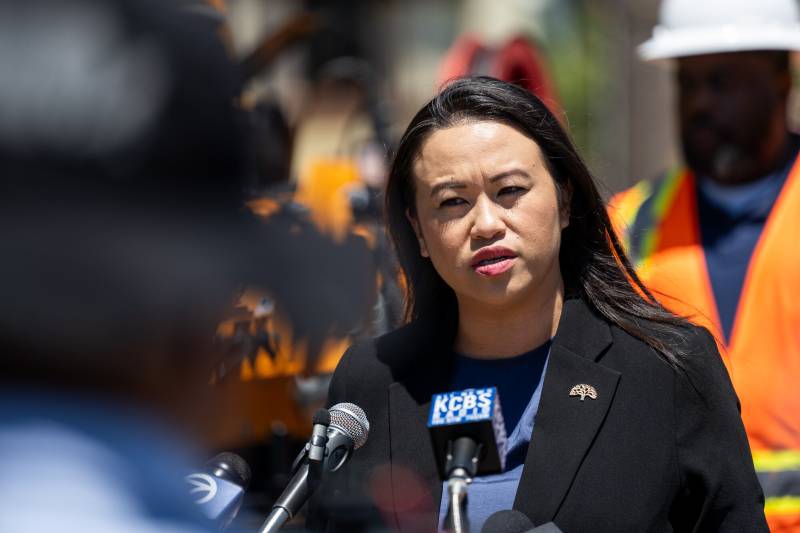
{"x": 717, "y": 240}
{"x": 123, "y": 241}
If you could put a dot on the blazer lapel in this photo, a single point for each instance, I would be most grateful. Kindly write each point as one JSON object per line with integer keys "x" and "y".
{"x": 565, "y": 425}
{"x": 417, "y": 488}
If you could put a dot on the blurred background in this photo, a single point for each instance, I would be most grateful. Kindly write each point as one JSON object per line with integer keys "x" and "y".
{"x": 614, "y": 104}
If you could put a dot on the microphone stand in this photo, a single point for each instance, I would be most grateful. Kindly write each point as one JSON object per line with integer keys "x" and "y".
{"x": 306, "y": 474}
{"x": 280, "y": 513}
{"x": 462, "y": 464}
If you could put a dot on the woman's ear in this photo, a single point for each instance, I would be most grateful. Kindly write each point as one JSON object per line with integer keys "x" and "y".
{"x": 423, "y": 248}
{"x": 565, "y": 200}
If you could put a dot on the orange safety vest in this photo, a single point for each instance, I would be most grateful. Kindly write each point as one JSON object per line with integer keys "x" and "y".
{"x": 658, "y": 224}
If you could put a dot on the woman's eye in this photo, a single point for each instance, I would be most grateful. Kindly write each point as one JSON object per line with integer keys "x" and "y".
{"x": 512, "y": 189}
{"x": 449, "y": 202}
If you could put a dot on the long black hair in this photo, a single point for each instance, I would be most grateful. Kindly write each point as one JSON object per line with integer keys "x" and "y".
{"x": 593, "y": 263}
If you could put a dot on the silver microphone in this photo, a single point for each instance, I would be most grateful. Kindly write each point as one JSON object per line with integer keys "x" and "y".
{"x": 348, "y": 431}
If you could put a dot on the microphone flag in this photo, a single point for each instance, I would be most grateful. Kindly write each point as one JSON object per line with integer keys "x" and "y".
{"x": 473, "y": 413}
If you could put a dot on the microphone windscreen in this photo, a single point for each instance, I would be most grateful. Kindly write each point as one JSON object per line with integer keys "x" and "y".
{"x": 231, "y": 467}
{"x": 352, "y": 421}
{"x": 507, "y": 521}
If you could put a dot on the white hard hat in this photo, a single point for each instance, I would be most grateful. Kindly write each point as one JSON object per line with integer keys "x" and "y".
{"x": 692, "y": 27}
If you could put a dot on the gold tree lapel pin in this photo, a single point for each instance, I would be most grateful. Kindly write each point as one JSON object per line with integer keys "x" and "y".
{"x": 583, "y": 390}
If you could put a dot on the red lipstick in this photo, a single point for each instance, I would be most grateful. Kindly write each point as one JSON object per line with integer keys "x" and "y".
{"x": 493, "y": 261}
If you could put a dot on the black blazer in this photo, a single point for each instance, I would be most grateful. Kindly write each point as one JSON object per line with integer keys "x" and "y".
{"x": 658, "y": 450}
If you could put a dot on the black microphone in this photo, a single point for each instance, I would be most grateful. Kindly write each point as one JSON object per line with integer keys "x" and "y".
{"x": 511, "y": 521}
{"x": 219, "y": 487}
{"x": 348, "y": 431}
{"x": 507, "y": 521}
{"x": 469, "y": 439}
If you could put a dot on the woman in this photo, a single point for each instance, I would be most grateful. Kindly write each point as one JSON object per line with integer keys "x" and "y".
{"x": 516, "y": 280}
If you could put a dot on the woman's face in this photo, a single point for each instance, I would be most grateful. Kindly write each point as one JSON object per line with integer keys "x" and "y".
{"x": 488, "y": 214}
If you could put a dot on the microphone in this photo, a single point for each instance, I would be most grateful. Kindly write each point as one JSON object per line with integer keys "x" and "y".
{"x": 348, "y": 431}
{"x": 469, "y": 439}
{"x": 319, "y": 435}
{"x": 219, "y": 487}
{"x": 511, "y": 521}
{"x": 473, "y": 414}
{"x": 507, "y": 521}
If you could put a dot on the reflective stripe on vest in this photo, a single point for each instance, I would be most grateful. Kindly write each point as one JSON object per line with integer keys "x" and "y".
{"x": 763, "y": 356}
{"x": 643, "y": 236}
{"x": 779, "y": 474}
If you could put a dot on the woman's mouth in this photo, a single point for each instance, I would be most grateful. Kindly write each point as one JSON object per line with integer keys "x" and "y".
{"x": 493, "y": 261}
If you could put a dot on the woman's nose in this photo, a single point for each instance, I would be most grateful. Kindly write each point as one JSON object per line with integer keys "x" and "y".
{"x": 487, "y": 222}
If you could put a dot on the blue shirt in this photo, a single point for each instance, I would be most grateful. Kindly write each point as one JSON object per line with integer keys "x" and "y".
{"x": 732, "y": 218}
{"x": 519, "y": 384}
